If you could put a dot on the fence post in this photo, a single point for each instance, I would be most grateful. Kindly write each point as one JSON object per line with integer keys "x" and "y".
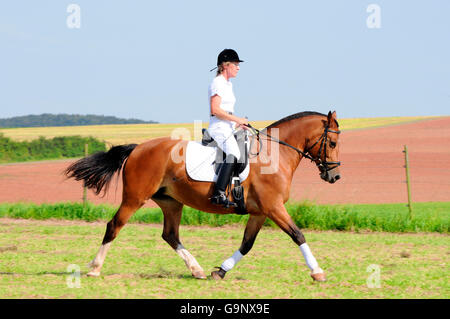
{"x": 408, "y": 182}
{"x": 86, "y": 151}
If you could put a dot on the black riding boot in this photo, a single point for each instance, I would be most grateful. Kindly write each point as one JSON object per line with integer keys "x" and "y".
{"x": 219, "y": 197}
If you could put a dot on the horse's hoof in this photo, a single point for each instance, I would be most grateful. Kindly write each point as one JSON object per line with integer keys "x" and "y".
{"x": 92, "y": 264}
{"x": 199, "y": 274}
{"x": 215, "y": 275}
{"x": 93, "y": 274}
{"x": 218, "y": 274}
{"x": 321, "y": 277}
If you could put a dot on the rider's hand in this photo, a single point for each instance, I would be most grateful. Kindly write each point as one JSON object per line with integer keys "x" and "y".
{"x": 243, "y": 123}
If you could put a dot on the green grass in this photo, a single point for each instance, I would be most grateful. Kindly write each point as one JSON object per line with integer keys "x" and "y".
{"x": 35, "y": 255}
{"x": 427, "y": 217}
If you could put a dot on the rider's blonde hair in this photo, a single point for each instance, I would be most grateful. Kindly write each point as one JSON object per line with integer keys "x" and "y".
{"x": 221, "y": 67}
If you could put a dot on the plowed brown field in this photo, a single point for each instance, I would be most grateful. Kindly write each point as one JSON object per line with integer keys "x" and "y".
{"x": 372, "y": 171}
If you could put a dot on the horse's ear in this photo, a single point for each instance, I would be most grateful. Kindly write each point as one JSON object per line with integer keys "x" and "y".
{"x": 331, "y": 116}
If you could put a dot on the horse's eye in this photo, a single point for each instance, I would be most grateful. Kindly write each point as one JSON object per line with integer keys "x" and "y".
{"x": 332, "y": 144}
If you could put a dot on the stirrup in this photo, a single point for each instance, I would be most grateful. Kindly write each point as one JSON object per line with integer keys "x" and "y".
{"x": 221, "y": 199}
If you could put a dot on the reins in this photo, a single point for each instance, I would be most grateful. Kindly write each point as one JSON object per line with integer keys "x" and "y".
{"x": 258, "y": 132}
{"x": 322, "y": 139}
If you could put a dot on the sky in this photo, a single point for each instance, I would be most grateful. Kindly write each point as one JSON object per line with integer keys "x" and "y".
{"x": 151, "y": 59}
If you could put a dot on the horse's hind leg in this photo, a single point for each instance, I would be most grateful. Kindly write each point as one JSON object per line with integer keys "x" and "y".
{"x": 172, "y": 211}
{"x": 254, "y": 224}
{"x": 126, "y": 210}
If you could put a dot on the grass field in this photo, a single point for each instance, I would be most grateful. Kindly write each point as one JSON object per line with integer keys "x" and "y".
{"x": 427, "y": 217}
{"x": 35, "y": 252}
{"x": 138, "y": 133}
{"x": 35, "y": 256}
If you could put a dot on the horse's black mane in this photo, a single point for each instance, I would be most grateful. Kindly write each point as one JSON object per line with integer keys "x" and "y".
{"x": 294, "y": 116}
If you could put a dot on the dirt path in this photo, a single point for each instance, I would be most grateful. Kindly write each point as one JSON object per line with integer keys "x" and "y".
{"x": 372, "y": 171}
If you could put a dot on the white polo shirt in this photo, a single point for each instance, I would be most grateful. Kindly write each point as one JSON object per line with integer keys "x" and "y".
{"x": 224, "y": 89}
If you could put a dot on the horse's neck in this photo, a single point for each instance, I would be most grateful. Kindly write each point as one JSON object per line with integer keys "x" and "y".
{"x": 294, "y": 133}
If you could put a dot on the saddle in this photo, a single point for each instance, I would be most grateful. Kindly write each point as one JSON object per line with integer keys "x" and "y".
{"x": 237, "y": 190}
{"x": 241, "y": 138}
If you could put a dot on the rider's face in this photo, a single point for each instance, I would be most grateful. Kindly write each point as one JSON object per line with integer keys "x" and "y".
{"x": 232, "y": 69}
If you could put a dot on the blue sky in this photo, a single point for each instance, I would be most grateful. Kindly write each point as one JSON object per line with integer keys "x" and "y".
{"x": 151, "y": 59}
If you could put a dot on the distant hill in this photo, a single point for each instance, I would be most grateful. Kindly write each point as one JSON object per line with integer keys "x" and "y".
{"x": 47, "y": 119}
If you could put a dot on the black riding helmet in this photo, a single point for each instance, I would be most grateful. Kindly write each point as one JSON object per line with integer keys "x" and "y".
{"x": 227, "y": 55}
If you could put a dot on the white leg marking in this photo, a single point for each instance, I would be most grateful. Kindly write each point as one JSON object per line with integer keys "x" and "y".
{"x": 190, "y": 261}
{"x": 311, "y": 262}
{"x": 97, "y": 263}
{"x": 228, "y": 264}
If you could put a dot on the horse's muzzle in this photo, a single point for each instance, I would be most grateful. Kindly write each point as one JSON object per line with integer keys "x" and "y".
{"x": 331, "y": 176}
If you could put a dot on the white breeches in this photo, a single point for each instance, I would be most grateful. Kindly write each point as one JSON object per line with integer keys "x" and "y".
{"x": 226, "y": 141}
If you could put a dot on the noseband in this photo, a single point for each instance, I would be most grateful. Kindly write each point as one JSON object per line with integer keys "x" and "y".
{"x": 323, "y": 166}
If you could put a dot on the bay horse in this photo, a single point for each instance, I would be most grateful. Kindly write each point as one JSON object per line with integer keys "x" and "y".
{"x": 153, "y": 170}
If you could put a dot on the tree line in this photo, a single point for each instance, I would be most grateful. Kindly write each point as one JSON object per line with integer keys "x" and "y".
{"x": 47, "y": 119}
{"x": 43, "y": 149}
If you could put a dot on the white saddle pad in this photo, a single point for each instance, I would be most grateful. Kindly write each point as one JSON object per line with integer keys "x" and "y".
{"x": 200, "y": 161}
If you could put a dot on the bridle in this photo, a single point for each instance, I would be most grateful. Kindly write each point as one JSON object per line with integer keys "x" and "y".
{"x": 324, "y": 166}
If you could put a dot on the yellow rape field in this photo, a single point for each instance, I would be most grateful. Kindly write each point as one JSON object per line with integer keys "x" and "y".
{"x": 138, "y": 133}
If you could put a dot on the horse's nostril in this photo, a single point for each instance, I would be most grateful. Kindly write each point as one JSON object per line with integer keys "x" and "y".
{"x": 338, "y": 177}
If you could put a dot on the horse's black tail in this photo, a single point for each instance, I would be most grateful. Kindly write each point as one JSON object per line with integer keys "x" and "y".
{"x": 97, "y": 169}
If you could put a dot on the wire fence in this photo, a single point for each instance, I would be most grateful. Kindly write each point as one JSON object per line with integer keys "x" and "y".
{"x": 380, "y": 178}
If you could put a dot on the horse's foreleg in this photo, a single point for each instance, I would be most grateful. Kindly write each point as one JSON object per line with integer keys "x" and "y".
{"x": 172, "y": 211}
{"x": 126, "y": 210}
{"x": 281, "y": 217}
{"x": 254, "y": 224}
{"x": 191, "y": 262}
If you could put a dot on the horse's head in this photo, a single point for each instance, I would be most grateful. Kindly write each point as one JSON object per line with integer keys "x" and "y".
{"x": 324, "y": 148}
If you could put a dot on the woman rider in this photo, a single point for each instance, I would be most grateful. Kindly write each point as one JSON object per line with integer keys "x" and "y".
{"x": 222, "y": 120}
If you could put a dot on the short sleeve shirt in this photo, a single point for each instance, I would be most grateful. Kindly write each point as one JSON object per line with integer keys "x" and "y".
{"x": 224, "y": 89}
